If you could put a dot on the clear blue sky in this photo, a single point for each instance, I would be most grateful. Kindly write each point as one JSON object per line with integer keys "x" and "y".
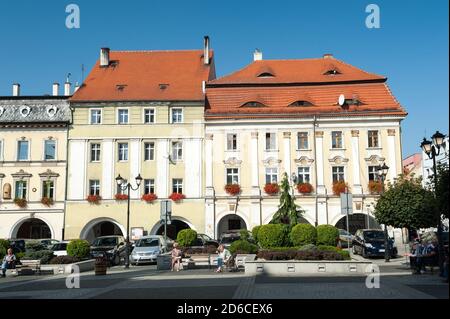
{"x": 411, "y": 48}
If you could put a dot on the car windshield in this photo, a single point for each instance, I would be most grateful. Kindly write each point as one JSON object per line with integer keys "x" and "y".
{"x": 147, "y": 242}
{"x": 107, "y": 241}
{"x": 229, "y": 239}
{"x": 343, "y": 232}
{"x": 59, "y": 247}
{"x": 373, "y": 235}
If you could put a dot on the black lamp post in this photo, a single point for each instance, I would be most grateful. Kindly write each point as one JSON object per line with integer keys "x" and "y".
{"x": 432, "y": 149}
{"x": 382, "y": 172}
{"x": 124, "y": 185}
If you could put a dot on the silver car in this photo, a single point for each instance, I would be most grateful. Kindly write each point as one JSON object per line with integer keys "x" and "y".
{"x": 147, "y": 249}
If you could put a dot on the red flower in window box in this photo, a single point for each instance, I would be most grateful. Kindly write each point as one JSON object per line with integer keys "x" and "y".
{"x": 47, "y": 201}
{"x": 21, "y": 202}
{"x": 304, "y": 188}
{"x": 272, "y": 188}
{"x": 149, "y": 197}
{"x": 339, "y": 187}
{"x": 121, "y": 196}
{"x": 94, "y": 199}
{"x": 176, "y": 197}
{"x": 233, "y": 189}
{"x": 375, "y": 187}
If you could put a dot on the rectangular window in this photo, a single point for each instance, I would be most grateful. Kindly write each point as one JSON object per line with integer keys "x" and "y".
{"x": 373, "y": 138}
{"x": 149, "y": 116}
{"x": 95, "y": 152}
{"x": 177, "y": 151}
{"x": 231, "y": 142}
{"x": 336, "y": 139}
{"x": 123, "y": 116}
{"x": 149, "y": 186}
{"x": 177, "y": 185}
{"x": 304, "y": 175}
{"x": 50, "y": 150}
{"x": 149, "y": 151}
{"x": 177, "y": 115}
{"x": 22, "y": 150}
{"x": 232, "y": 175}
{"x": 96, "y": 116}
{"x": 271, "y": 141}
{"x": 373, "y": 173}
{"x": 271, "y": 175}
{"x": 21, "y": 190}
{"x": 94, "y": 187}
{"x": 123, "y": 151}
{"x": 48, "y": 189}
{"x": 121, "y": 190}
{"x": 302, "y": 140}
{"x": 338, "y": 173}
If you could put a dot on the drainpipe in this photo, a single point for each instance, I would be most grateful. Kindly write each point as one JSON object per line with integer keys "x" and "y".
{"x": 214, "y": 212}
{"x": 315, "y": 168}
{"x": 67, "y": 173}
{"x": 260, "y": 208}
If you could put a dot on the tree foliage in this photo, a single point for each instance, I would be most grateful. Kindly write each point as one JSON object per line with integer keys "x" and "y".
{"x": 442, "y": 190}
{"x": 288, "y": 212}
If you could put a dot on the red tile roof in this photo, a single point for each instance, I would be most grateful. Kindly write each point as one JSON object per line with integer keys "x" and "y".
{"x": 137, "y": 75}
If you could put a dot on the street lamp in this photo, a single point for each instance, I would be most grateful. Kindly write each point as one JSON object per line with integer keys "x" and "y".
{"x": 432, "y": 149}
{"x": 382, "y": 172}
{"x": 124, "y": 185}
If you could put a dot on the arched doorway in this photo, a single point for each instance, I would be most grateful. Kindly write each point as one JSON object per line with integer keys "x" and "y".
{"x": 230, "y": 222}
{"x": 33, "y": 228}
{"x": 101, "y": 228}
{"x": 357, "y": 221}
{"x": 173, "y": 229}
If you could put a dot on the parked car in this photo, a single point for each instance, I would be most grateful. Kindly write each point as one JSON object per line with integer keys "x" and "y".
{"x": 48, "y": 243}
{"x": 345, "y": 239}
{"x": 204, "y": 240}
{"x": 371, "y": 243}
{"x": 60, "y": 248}
{"x": 112, "y": 246}
{"x": 17, "y": 245}
{"x": 228, "y": 238}
{"x": 147, "y": 249}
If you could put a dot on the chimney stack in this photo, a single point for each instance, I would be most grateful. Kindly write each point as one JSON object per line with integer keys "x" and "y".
{"x": 257, "y": 55}
{"x": 104, "y": 57}
{"x": 206, "y": 50}
{"x": 16, "y": 89}
{"x": 67, "y": 88}
{"x": 55, "y": 89}
{"x": 77, "y": 86}
{"x": 328, "y": 56}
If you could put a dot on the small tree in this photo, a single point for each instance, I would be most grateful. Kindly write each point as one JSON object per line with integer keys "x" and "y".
{"x": 78, "y": 248}
{"x": 442, "y": 190}
{"x": 186, "y": 237}
{"x": 288, "y": 212}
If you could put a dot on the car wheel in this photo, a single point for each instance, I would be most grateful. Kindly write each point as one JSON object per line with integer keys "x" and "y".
{"x": 364, "y": 253}
{"x": 354, "y": 250}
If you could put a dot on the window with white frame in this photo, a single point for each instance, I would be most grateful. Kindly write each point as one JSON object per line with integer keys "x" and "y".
{"x": 149, "y": 116}
{"x": 271, "y": 141}
{"x": 123, "y": 151}
{"x": 94, "y": 187}
{"x": 48, "y": 189}
{"x": 49, "y": 150}
{"x": 304, "y": 174}
{"x": 22, "y": 150}
{"x": 95, "y": 152}
{"x": 177, "y": 151}
{"x": 373, "y": 173}
{"x": 336, "y": 139}
{"x": 372, "y": 139}
{"x": 338, "y": 173}
{"x": 177, "y": 115}
{"x": 96, "y": 116}
{"x": 149, "y": 151}
{"x": 149, "y": 186}
{"x": 231, "y": 142}
{"x": 122, "y": 116}
{"x": 21, "y": 190}
{"x": 177, "y": 185}
{"x": 271, "y": 175}
{"x": 302, "y": 140}
{"x": 122, "y": 190}
{"x": 232, "y": 175}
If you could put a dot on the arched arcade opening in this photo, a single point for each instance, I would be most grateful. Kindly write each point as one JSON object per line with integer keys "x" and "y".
{"x": 357, "y": 221}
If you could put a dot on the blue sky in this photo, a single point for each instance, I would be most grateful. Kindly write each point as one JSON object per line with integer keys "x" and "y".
{"x": 411, "y": 48}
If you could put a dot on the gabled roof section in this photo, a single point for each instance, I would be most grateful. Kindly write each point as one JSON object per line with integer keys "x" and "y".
{"x": 148, "y": 75}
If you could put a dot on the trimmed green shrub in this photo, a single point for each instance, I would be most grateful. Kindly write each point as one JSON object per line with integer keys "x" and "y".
{"x": 78, "y": 248}
{"x": 63, "y": 260}
{"x": 2, "y": 252}
{"x": 4, "y": 245}
{"x": 271, "y": 235}
{"x": 303, "y": 234}
{"x": 308, "y": 247}
{"x": 20, "y": 255}
{"x": 243, "y": 247}
{"x": 255, "y": 231}
{"x": 32, "y": 246}
{"x": 186, "y": 237}
{"x": 43, "y": 255}
{"x": 244, "y": 234}
{"x": 287, "y": 228}
{"x": 327, "y": 235}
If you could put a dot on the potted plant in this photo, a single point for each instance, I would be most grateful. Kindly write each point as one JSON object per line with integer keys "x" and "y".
{"x": 233, "y": 189}
{"x": 375, "y": 187}
{"x": 272, "y": 188}
{"x": 21, "y": 202}
{"x": 94, "y": 199}
{"x": 149, "y": 197}
{"x": 47, "y": 201}
{"x": 304, "y": 188}
{"x": 176, "y": 197}
{"x": 339, "y": 187}
{"x": 121, "y": 196}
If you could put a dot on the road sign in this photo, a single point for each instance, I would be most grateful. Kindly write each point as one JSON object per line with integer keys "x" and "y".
{"x": 346, "y": 203}
{"x": 166, "y": 208}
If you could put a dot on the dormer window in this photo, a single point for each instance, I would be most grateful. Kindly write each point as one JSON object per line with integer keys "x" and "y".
{"x": 253, "y": 104}
{"x": 121, "y": 87}
{"x": 332, "y": 72}
{"x": 266, "y": 75}
{"x": 301, "y": 103}
{"x": 163, "y": 86}
{"x": 353, "y": 101}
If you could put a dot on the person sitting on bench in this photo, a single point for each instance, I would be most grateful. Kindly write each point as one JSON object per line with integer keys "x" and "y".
{"x": 224, "y": 257}
{"x": 9, "y": 262}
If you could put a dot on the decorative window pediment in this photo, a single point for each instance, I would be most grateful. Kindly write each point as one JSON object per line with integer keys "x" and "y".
{"x": 25, "y": 110}
{"x": 48, "y": 174}
{"x": 232, "y": 161}
{"x": 51, "y": 110}
{"x": 2, "y": 110}
{"x": 271, "y": 161}
{"x": 338, "y": 160}
{"x": 304, "y": 160}
{"x": 2, "y": 175}
{"x": 375, "y": 160}
{"x": 21, "y": 174}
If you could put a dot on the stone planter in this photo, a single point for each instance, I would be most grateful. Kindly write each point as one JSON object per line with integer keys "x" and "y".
{"x": 86, "y": 265}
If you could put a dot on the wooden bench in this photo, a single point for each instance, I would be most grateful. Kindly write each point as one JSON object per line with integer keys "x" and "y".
{"x": 201, "y": 258}
{"x": 32, "y": 265}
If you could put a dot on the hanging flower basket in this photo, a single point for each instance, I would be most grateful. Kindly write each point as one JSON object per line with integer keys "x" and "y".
{"x": 47, "y": 201}
{"x": 176, "y": 197}
{"x": 94, "y": 199}
{"x": 233, "y": 189}
{"x": 149, "y": 198}
{"x": 375, "y": 187}
{"x": 21, "y": 202}
{"x": 272, "y": 188}
{"x": 121, "y": 196}
{"x": 339, "y": 187}
{"x": 304, "y": 188}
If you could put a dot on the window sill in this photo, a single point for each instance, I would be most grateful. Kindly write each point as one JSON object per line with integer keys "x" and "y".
{"x": 378, "y": 148}
{"x": 271, "y": 151}
{"x": 95, "y": 162}
{"x": 304, "y": 150}
{"x": 338, "y": 149}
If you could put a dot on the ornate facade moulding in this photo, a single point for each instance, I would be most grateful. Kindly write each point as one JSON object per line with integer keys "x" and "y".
{"x": 355, "y": 133}
{"x": 304, "y": 160}
{"x": 338, "y": 160}
{"x": 209, "y": 136}
{"x": 319, "y": 134}
{"x": 254, "y": 134}
{"x": 391, "y": 132}
{"x": 287, "y": 134}
{"x": 48, "y": 174}
{"x": 21, "y": 174}
{"x": 271, "y": 161}
{"x": 375, "y": 160}
{"x": 232, "y": 161}
{"x": 2, "y": 175}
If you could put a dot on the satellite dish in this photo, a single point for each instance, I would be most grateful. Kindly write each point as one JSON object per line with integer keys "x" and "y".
{"x": 341, "y": 100}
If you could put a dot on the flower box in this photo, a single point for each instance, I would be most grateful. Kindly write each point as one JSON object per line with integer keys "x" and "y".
{"x": 47, "y": 201}
{"x": 149, "y": 197}
{"x": 121, "y": 196}
{"x": 272, "y": 188}
{"x": 21, "y": 202}
{"x": 339, "y": 187}
{"x": 304, "y": 188}
{"x": 176, "y": 197}
{"x": 94, "y": 199}
{"x": 233, "y": 189}
{"x": 375, "y": 187}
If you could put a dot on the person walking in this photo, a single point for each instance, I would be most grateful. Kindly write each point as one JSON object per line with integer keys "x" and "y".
{"x": 9, "y": 262}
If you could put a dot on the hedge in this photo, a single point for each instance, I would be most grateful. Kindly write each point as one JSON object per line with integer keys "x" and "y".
{"x": 4, "y": 245}
{"x": 303, "y": 234}
{"x": 327, "y": 235}
{"x": 271, "y": 235}
{"x": 186, "y": 237}
{"x": 43, "y": 255}
{"x": 255, "y": 231}
{"x": 243, "y": 247}
{"x": 63, "y": 260}
{"x": 78, "y": 248}
{"x": 244, "y": 234}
